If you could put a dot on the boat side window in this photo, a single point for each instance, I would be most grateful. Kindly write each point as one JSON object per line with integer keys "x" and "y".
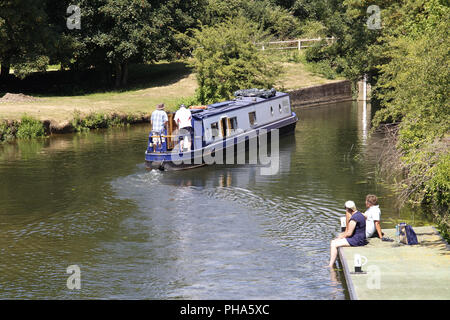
{"x": 279, "y": 107}
{"x": 271, "y": 110}
{"x": 252, "y": 118}
{"x": 214, "y": 129}
{"x": 232, "y": 124}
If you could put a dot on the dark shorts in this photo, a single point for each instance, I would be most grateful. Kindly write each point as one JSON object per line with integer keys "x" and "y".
{"x": 186, "y": 131}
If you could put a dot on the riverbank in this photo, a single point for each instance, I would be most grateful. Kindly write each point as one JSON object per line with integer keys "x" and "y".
{"x": 176, "y": 85}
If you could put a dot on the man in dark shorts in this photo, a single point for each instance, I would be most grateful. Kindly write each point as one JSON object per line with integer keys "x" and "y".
{"x": 354, "y": 235}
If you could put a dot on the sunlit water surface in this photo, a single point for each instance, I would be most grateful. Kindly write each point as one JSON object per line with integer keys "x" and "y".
{"x": 217, "y": 232}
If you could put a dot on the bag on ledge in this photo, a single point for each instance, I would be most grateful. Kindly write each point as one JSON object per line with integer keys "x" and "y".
{"x": 407, "y": 234}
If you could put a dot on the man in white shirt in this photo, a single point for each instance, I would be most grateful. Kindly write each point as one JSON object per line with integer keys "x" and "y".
{"x": 372, "y": 217}
{"x": 183, "y": 118}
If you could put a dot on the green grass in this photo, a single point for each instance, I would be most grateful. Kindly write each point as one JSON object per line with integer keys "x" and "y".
{"x": 172, "y": 83}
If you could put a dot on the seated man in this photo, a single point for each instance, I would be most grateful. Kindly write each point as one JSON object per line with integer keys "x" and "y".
{"x": 372, "y": 215}
{"x": 159, "y": 120}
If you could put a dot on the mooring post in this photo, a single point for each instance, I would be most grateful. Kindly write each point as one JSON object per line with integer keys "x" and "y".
{"x": 365, "y": 88}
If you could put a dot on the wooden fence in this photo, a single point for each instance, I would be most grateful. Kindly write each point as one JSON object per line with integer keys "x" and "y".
{"x": 292, "y": 44}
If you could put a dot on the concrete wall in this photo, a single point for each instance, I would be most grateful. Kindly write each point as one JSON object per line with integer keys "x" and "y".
{"x": 326, "y": 93}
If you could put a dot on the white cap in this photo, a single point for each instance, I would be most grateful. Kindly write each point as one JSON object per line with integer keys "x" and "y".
{"x": 350, "y": 205}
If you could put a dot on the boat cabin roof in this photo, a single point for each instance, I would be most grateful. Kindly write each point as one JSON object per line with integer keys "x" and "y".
{"x": 226, "y": 106}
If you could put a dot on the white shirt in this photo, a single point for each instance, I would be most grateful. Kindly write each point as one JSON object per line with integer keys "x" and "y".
{"x": 183, "y": 118}
{"x": 372, "y": 214}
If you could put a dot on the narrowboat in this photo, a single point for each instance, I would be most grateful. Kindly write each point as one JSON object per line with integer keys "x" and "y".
{"x": 219, "y": 128}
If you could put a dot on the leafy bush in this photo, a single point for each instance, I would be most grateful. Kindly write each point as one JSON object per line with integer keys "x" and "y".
{"x": 188, "y": 101}
{"x": 100, "y": 120}
{"x": 3, "y": 130}
{"x": 413, "y": 90}
{"x": 313, "y": 29}
{"x": 279, "y": 22}
{"x": 30, "y": 128}
{"x": 226, "y": 59}
{"x": 95, "y": 121}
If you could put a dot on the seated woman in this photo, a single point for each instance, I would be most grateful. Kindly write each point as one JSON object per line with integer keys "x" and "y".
{"x": 354, "y": 235}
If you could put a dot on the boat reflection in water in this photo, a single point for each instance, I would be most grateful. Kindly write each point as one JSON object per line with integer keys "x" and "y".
{"x": 234, "y": 175}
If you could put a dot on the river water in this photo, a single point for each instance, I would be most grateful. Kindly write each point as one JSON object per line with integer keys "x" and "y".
{"x": 218, "y": 232}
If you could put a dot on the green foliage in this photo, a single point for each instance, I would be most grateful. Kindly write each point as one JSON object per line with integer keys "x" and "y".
{"x": 95, "y": 121}
{"x": 115, "y": 33}
{"x": 276, "y": 20}
{"x": 30, "y": 35}
{"x": 30, "y": 128}
{"x": 308, "y": 9}
{"x": 226, "y": 60}
{"x": 22, "y": 69}
{"x": 438, "y": 187}
{"x": 413, "y": 86}
{"x": 33, "y": 34}
{"x": 313, "y": 29}
{"x": 406, "y": 63}
{"x": 319, "y": 60}
{"x": 413, "y": 89}
{"x": 437, "y": 193}
{"x": 5, "y": 132}
{"x": 187, "y": 101}
{"x": 98, "y": 120}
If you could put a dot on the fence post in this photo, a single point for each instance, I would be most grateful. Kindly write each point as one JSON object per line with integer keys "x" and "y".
{"x": 299, "y": 44}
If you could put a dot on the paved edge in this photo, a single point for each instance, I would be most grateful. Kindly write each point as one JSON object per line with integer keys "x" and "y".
{"x": 348, "y": 279}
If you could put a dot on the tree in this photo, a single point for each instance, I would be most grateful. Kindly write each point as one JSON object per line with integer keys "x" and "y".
{"x": 276, "y": 20}
{"x": 116, "y": 33}
{"x": 226, "y": 59}
{"x": 413, "y": 90}
{"x": 25, "y": 36}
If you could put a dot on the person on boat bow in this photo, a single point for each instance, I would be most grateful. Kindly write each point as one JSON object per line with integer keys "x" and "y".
{"x": 159, "y": 120}
{"x": 183, "y": 119}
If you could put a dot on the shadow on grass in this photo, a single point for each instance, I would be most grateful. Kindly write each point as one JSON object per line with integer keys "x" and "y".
{"x": 76, "y": 83}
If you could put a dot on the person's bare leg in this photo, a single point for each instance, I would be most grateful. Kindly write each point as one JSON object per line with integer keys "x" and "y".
{"x": 335, "y": 244}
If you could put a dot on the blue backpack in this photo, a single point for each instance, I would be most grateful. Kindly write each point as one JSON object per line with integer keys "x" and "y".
{"x": 406, "y": 234}
{"x": 411, "y": 235}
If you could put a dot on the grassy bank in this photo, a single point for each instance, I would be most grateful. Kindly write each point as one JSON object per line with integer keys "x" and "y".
{"x": 149, "y": 85}
{"x": 60, "y": 106}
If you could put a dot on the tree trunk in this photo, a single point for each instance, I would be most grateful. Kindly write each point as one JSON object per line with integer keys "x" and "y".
{"x": 124, "y": 74}
{"x": 5, "y": 68}
{"x": 118, "y": 74}
{"x": 109, "y": 73}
